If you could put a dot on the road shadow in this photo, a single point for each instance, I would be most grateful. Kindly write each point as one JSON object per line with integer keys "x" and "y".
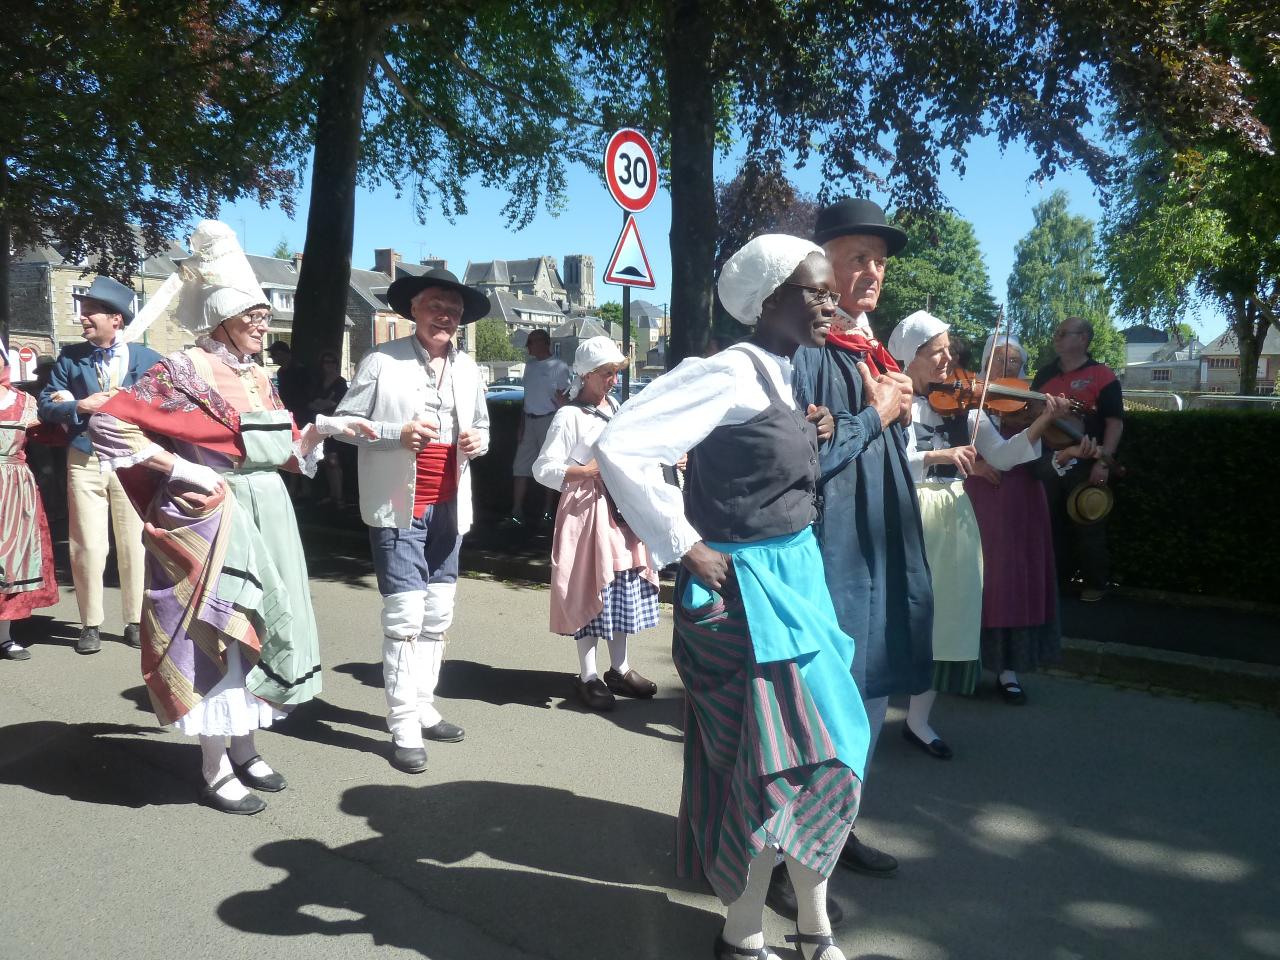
{"x": 541, "y": 870}
{"x": 103, "y": 763}
{"x": 43, "y": 630}
{"x": 319, "y": 721}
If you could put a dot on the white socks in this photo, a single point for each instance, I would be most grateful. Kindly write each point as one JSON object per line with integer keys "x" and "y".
{"x": 587, "y": 658}
{"x": 618, "y": 652}
{"x": 811, "y": 909}
{"x": 215, "y": 764}
{"x": 242, "y": 749}
{"x": 744, "y": 918}
{"x": 1009, "y": 677}
{"x": 918, "y": 715}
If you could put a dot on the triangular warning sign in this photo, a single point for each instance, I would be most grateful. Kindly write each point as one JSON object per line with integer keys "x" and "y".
{"x": 629, "y": 265}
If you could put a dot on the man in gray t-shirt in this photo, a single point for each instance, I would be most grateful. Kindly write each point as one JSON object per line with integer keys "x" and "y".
{"x": 546, "y": 388}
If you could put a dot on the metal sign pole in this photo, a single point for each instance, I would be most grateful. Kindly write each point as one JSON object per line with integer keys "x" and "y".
{"x": 626, "y": 332}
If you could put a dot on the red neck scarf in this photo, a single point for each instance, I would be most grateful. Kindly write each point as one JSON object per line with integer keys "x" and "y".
{"x": 855, "y": 342}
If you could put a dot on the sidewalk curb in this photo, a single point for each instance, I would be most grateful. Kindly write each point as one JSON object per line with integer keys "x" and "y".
{"x": 1146, "y": 668}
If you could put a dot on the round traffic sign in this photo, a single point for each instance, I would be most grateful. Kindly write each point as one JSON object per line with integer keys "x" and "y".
{"x": 631, "y": 170}
{"x": 26, "y": 356}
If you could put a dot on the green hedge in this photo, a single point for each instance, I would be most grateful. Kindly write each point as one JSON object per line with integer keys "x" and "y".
{"x": 1197, "y": 512}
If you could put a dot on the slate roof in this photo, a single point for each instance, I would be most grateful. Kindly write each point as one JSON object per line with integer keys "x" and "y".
{"x": 522, "y": 309}
{"x": 273, "y": 272}
{"x": 160, "y": 265}
{"x": 583, "y": 328}
{"x": 371, "y": 286}
{"x": 1225, "y": 345}
{"x": 1144, "y": 333}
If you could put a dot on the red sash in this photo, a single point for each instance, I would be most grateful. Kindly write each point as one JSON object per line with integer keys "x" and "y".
{"x": 437, "y": 476}
{"x": 874, "y": 349}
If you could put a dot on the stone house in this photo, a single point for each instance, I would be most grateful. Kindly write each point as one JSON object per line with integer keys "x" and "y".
{"x": 1220, "y": 364}
{"x": 1170, "y": 367}
{"x": 539, "y": 277}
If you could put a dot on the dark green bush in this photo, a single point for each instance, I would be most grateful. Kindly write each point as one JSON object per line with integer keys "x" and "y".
{"x": 1197, "y": 512}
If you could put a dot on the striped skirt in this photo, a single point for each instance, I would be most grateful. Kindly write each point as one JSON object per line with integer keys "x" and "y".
{"x": 759, "y": 766}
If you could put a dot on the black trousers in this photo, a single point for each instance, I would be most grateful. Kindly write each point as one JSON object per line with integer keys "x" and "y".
{"x": 1077, "y": 548}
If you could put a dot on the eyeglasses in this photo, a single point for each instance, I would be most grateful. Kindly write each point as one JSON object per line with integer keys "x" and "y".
{"x": 820, "y": 294}
{"x": 1063, "y": 334}
{"x": 261, "y": 318}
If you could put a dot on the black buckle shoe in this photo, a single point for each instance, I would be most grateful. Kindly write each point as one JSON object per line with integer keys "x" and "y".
{"x": 819, "y": 940}
{"x": 860, "y": 858}
{"x": 272, "y": 783}
{"x": 247, "y": 805}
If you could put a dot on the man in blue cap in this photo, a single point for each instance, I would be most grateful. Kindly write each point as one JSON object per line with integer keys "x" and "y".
{"x": 83, "y": 379}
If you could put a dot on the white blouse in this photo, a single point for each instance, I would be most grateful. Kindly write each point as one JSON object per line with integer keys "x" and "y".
{"x": 926, "y": 434}
{"x": 571, "y": 441}
{"x": 674, "y": 414}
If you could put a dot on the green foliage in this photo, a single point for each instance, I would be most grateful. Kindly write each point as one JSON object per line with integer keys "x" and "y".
{"x": 1056, "y": 275}
{"x": 282, "y": 250}
{"x": 1189, "y": 516}
{"x": 492, "y": 342}
{"x": 610, "y": 312}
{"x": 942, "y": 265}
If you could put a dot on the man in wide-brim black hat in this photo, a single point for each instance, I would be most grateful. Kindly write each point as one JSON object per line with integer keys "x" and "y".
{"x": 872, "y": 544}
{"x": 426, "y": 400}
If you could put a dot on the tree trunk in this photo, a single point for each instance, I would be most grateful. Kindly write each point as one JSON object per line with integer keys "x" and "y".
{"x": 320, "y": 304}
{"x": 6, "y": 238}
{"x": 691, "y": 105}
{"x": 1251, "y": 331}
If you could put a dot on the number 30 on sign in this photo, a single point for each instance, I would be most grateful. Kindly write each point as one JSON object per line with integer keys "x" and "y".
{"x": 631, "y": 170}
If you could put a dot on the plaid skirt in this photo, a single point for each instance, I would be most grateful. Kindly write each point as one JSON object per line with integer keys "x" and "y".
{"x": 630, "y": 605}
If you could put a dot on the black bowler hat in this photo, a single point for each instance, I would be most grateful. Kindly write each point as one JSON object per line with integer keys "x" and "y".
{"x": 857, "y": 215}
{"x": 114, "y": 294}
{"x": 401, "y": 293}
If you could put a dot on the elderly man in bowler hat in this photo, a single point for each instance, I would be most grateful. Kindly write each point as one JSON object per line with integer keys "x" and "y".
{"x": 427, "y": 401}
{"x": 872, "y": 543}
{"x": 83, "y": 379}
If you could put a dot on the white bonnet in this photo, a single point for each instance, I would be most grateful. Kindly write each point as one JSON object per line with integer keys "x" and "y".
{"x": 591, "y": 355}
{"x": 759, "y": 268}
{"x": 217, "y": 281}
{"x": 994, "y": 341}
{"x": 913, "y": 333}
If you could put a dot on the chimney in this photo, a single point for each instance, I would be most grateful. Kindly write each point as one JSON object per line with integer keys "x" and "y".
{"x": 385, "y": 260}
{"x": 297, "y": 262}
{"x": 435, "y": 263}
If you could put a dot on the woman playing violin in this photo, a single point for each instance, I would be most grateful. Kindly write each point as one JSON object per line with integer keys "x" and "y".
{"x": 942, "y": 452}
{"x": 1019, "y": 590}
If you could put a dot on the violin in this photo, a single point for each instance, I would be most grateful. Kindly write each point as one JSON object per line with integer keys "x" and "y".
{"x": 1016, "y": 403}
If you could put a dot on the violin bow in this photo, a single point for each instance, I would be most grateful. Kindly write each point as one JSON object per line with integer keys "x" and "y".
{"x": 986, "y": 381}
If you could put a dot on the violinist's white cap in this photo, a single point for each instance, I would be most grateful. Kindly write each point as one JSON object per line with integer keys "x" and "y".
{"x": 912, "y": 334}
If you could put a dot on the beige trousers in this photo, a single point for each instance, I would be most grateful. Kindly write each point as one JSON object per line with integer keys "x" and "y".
{"x": 92, "y": 497}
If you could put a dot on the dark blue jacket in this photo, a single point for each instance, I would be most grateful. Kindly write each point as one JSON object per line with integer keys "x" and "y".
{"x": 76, "y": 373}
{"x": 872, "y": 541}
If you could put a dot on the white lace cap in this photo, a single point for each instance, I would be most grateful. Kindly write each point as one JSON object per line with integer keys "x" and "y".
{"x": 217, "y": 281}
{"x": 913, "y": 333}
{"x": 759, "y": 268}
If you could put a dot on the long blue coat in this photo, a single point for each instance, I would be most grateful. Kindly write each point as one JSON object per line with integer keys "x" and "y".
{"x": 872, "y": 543}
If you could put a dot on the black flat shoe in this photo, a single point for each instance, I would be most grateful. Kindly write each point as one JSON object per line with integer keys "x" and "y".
{"x": 12, "y": 651}
{"x": 781, "y": 898}
{"x": 727, "y": 951}
{"x": 444, "y": 732}
{"x": 820, "y": 940}
{"x": 133, "y": 635}
{"x": 89, "y": 641}
{"x": 937, "y": 747}
{"x": 860, "y": 858}
{"x": 246, "y": 806}
{"x": 272, "y": 783}
{"x": 1013, "y": 693}
{"x": 409, "y": 759}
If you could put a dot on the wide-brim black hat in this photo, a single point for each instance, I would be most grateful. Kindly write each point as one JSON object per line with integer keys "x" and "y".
{"x": 401, "y": 293}
{"x": 113, "y": 293}
{"x": 857, "y": 215}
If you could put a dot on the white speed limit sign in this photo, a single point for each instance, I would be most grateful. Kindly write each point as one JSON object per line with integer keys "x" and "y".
{"x": 631, "y": 170}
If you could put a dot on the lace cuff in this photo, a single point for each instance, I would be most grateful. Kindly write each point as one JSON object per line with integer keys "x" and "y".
{"x": 308, "y": 465}
{"x": 112, "y": 464}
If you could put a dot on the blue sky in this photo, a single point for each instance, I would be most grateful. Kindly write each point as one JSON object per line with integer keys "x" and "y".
{"x": 995, "y": 195}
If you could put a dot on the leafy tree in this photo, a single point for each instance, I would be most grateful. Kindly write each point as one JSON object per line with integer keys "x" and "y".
{"x": 1056, "y": 274}
{"x": 941, "y": 269}
{"x": 282, "y": 250}
{"x": 119, "y": 115}
{"x": 1196, "y": 216}
{"x": 610, "y": 312}
{"x": 491, "y": 340}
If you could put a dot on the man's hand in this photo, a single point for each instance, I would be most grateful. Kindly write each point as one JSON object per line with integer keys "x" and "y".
{"x": 1100, "y": 474}
{"x": 822, "y": 417}
{"x": 881, "y": 392}
{"x": 987, "y": 472}
{"x": 470, "y": 442}
{"x": 712, "y": 567}
{"x": 905, "y": 392}
{"x": 92, "y": 403}
{"x": 415, "y": 434}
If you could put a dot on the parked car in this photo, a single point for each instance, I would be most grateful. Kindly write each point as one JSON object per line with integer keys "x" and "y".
{"x": 506, "y": 382}
{"x": 505, "y": 393}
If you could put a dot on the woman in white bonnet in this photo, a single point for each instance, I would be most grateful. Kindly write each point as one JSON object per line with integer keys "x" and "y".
{"x": 775, "y": 733}
{"x": 229, "y": 640}
{"x": 602, "y": 585}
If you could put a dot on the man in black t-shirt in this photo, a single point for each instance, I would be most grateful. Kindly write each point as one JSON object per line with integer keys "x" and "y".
{"x": 1076, "y": 375}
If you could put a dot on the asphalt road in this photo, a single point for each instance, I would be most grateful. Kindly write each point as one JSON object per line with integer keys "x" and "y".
{"x": 1095, "y": 822}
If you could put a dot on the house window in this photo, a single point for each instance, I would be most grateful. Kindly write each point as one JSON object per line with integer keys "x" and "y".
{"x": 282, "y": 300}
{"x": 1224, "y": 363}
{"x": 391, "y": 329}
{"x": 1161, "y": 376}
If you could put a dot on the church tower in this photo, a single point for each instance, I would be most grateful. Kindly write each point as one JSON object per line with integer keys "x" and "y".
{"x": 580, "y": 280}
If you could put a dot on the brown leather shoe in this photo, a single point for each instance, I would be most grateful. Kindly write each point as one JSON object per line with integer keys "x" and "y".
{"x": 594, "y": 694}
{"x": 630, "y": 685}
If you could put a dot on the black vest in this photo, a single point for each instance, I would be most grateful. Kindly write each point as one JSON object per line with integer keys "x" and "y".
{"x": 756, "y": 479}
